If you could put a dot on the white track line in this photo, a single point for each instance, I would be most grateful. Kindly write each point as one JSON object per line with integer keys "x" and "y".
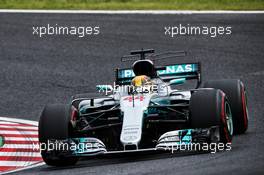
{"x": 19, "y": 132}
{"x": 17, "y": 163}
{"x": 20, "y": 139}
{"x": 22, "y": 154}
{"x": 6, "y": 119}
{"x": 25, "y": 146}
{"x": 132, "y": 11}
{"x": 7, "y": 123}
{"x": 20, "y": 127}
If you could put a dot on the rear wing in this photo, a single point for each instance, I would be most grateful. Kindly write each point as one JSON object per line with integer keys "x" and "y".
{"x": 166, "y": 73}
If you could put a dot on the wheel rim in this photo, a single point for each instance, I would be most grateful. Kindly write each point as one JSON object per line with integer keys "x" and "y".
{"x": 246, "y": 100}
{"x": 229, "y": 120}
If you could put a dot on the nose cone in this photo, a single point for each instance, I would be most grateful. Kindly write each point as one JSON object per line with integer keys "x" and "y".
{"x": 133, "y": 108}
{"x": 131, "y": 135}
{"x": 132, "y": 126}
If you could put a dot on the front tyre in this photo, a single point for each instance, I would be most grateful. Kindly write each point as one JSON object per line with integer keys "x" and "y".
{"x": 210, "y": 107}
{"x": 236, "y": 94}
{"x": 54, "y": 124}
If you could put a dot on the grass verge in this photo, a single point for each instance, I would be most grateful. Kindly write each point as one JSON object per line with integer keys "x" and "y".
{"x": 134, "y": 4}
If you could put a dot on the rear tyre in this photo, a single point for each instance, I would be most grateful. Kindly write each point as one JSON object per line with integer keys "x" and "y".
{"x": 236, "y": 93}
{"x": 54, "y": 124}
{"x": 209, "y": 107}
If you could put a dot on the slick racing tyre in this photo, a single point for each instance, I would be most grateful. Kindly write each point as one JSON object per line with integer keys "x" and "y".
{"x": 54, "y": 124}
{"x": 209, "y": 107}
{"x": 236, "y": 94}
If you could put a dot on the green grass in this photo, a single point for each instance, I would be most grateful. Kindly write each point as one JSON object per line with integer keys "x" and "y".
{"x": 134, "y": 4}
{"x": 1, "y": 141}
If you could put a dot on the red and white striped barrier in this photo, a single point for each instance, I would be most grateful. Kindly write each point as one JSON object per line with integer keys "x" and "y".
{"x": 17, "y": 151}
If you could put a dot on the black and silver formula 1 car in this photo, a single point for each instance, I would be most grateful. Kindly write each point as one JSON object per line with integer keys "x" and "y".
{"x": 143, "y": 112}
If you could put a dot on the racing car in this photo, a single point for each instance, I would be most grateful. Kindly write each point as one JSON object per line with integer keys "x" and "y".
{"x": 144, "y": 111}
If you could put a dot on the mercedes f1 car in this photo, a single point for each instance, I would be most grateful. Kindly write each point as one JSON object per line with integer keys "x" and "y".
{"x": 145, "y": 111}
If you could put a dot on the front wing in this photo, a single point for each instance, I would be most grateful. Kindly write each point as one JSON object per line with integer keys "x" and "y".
{"x": 178, "y": 140}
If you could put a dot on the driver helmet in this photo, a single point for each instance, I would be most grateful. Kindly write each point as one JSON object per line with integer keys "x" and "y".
{"x": 141, "y": 80}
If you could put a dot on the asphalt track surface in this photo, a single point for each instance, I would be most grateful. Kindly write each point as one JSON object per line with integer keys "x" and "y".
{"x": 35, "y": 71}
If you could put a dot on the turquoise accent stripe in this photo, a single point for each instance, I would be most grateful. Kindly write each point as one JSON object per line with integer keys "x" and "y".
{"x": 188, "y": 137}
